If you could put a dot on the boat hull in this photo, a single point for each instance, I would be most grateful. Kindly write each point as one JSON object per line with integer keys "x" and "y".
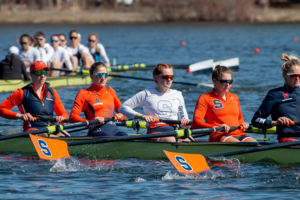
{"x": 154, "y": 150}
{"x": 12, "y": 85}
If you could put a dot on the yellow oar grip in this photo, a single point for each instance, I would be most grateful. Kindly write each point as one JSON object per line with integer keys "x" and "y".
{"x": 129, "y": 124}
{"x": 52, "y": 129}
{"x": 181, "y": 133}
{"x": 83, "y": 72}
{"x": 270, "y": 130}
{"x": 108, "y": 70}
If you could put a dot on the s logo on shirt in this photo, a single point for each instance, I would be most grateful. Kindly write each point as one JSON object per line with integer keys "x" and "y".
{"x": 217, "y": 103}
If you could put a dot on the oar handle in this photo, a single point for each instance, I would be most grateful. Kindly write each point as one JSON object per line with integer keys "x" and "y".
{"x": 232, "y": 128}
{"x": 49, "y": 119}
{"x": 295, "y": 123}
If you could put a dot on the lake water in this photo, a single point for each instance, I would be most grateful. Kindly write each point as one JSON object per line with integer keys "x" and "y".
{"x": 30, "y": 178}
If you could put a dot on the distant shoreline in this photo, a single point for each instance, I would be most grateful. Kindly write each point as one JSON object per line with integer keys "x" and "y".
{"x": 110, "y": 16}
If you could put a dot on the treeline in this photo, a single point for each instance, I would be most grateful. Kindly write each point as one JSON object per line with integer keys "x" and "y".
{"x": 168, "y": 10}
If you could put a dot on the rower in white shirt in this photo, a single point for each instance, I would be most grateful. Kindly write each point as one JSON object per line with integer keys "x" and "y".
{"x": 79, "y": 53}
{"x": 34, "y": 43}
{"x": 62, "y": 40}
{"x": 28, "y": 54}
{"x": 41, "y": 38}
{"x": 97, "y": 50}
{"x": 60, "y": 56}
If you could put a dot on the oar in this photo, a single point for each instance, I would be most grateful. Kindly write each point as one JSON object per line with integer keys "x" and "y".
{"x": 55, "y": 128}
{"x": 149, "y": 67}
{"x": 48, "y": 119}
{"x": 86, "y": 72}
{"x": 149, "y": 79}
{"x": 197, "y": 162}
{"x": 142, "y": 124}
{"x": 204, "y": 65}
{"x": 54, "y": 149}
{"x": 207, "y": 67}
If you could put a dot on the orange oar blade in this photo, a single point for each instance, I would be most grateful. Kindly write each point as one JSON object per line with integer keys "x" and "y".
{"x": 187, "y": 163}
{"x": 50, "y": 149}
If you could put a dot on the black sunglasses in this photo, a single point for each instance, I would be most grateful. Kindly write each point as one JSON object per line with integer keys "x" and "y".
{"x": 71, "y": 38}
{"x": 226, "y": 81}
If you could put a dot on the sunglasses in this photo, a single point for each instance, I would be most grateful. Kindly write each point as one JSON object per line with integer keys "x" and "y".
{"x": 73, "y": 38}
{"x": 167, "y": 77}
{"x": 92, "y": 40}
{"x": 23, "y": 43}
{"x": 39, "y": 73}
{"x": 100, "y": 75}
{"x": 62, "y": 40}
{"x": 294, "y": 76}
{"x": 54, "y": 41}
{"x": 41, "y": 38}
{"x": 226, "y": 81}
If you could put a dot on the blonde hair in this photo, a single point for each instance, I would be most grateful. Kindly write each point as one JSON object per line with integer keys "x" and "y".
{"x": 290, "y": 61}
{"x": 219, "y": 71}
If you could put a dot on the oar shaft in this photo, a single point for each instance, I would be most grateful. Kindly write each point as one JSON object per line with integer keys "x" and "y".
{"x": 52, "y": 129}
{"x": 49, "y": 119}
{"x": 149, "y": 79}
{"x": 171, "y": 121}
{"x": 255, "y": 149}
{"x": 178, "y": 134}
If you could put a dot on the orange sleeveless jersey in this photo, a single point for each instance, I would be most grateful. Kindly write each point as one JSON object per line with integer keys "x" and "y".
{"x": 95, "y": 101}
{"x": 216, "y": 111}
{"x": 16, "y": 99}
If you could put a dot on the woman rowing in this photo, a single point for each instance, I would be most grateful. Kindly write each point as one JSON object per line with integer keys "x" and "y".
{"x": 36, "y": 99}
{"x": 97, "y": 102}
{"x": 97, "y": 49}
{"x": 221, "y": 109}
{"x": 160, "y": 102}
{"x": 282, "y": 103}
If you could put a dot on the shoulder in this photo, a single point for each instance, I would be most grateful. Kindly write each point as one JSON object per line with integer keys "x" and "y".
{"x": 47, "y": 45}
{"x": 175, "y": 92}
{"x": 100, "y": 45}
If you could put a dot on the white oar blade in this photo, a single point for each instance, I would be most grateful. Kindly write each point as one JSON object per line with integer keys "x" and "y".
{"x": 203, "y": 66}
{"x": 232, "y": 63}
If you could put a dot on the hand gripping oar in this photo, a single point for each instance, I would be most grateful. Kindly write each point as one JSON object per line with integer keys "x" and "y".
{"x": 48, "y": 148}
{"x": 48, "y": 119}
{"x": 55, "y": 128}
{"x": 142, "y": 124}
{"x": 195, "y": 163}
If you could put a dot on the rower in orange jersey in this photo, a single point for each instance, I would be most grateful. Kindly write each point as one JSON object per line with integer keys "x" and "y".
{"x": 36, "y": 99}
{"x": 97, "y": 102}
{"x": 220, "y": 108}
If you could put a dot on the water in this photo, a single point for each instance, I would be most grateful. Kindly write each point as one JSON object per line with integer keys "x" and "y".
{"x": 32, "y": 178}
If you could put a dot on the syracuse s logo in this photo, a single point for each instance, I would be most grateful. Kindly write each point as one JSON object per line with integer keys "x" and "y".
{"x": 285, "y": 95}
{"x": 183, "y": 163}
{"x": 43, "y": 145}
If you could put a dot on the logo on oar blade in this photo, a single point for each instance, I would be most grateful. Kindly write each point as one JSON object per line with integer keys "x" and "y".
{"x": 183, "y": 163}
{"x": 43, "y": 145}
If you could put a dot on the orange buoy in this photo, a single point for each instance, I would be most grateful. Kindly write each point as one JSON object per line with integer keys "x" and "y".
{"x": 295, "y": 39}
{"x": 256, "y": 50}
{"x": 182, "y": 43}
